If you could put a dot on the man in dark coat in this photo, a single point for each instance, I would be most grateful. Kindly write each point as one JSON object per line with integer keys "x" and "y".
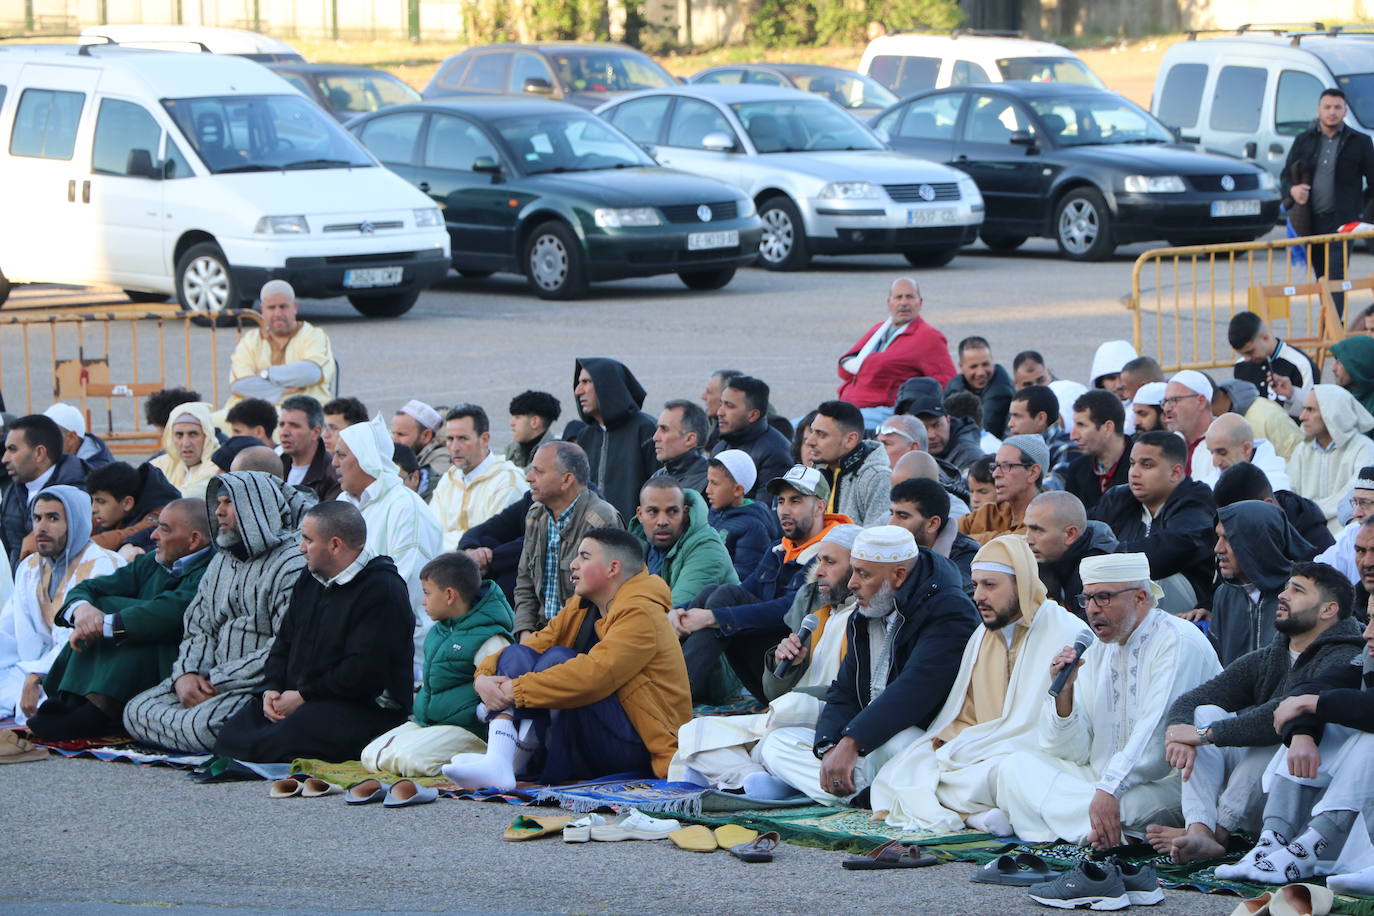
{"x": 678, "y": 441}
{"x": 1243, "y": 480}
{"x": 34, "y": 460}
{"x": 979, "y": 375}
{"x": 619, "y": 438}
{"x": 1060, "y": 536}
{"x": 1098, "y": 421}
{"x": 742, "y": 422}
{"x": 339, "y": 672}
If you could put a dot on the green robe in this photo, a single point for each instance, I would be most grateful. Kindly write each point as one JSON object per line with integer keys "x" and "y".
{"x": 151, "y": 604}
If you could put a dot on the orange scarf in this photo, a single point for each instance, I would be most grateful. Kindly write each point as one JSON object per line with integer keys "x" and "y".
{"x": 791, "y": 551}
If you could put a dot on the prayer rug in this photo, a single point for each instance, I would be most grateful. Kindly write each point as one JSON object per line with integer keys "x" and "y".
{"x": 131, "y": 753}
{"x": 652, "y": 796}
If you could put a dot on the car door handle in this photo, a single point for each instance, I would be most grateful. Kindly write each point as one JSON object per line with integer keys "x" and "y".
{"x": 71, "y": 191}
{"x": 961, "y": 158}
{"x": 1275, "y": 149}
{"x": 86, "y": 192}
{"x": 423, "y": 186}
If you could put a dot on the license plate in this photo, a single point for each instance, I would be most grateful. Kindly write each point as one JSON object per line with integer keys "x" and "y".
{"x": 701, "y": 241}
{"x": 367, "y": 277}
{"x": 1235, "y": 208}
{"x": 930, "y": 216}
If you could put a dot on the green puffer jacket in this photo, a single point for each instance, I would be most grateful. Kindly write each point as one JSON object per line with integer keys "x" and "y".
{"x": 447, "y": 696}
{"x": 699, "y": 557}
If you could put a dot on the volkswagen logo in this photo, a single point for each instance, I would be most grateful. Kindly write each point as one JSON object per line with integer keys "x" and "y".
{"x": 366, "y": 227}
{"x": 926, "y": 192}
{"x": 704, "y": 213}
{"x": 1228, "y": 183}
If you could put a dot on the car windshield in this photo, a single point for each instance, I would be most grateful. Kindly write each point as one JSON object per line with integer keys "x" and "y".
{"x": 847, "y": 90}
{"x": 352, "y": 93}
{"x": 1092, "y": 120}
{"x": 1359, "y": 95}
{"x": 261, "y": 133}
{"x": 608, "y": 70}
{"x": 1048, "y": 70}
{"x": 794, "y": 125}
{"x": 571, "y": 142}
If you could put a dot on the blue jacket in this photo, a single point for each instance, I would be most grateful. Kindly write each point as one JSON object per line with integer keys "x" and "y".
{"x": 749, "y": 530}
{"x": 774, "y": 583}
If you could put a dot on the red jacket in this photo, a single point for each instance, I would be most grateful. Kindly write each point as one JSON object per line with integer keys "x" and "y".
{"x": 917, "y": 350}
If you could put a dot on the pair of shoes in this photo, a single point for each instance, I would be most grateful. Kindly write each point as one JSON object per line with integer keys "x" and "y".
{"x": 697, "y": 838}
{"x": 892, "y": 854}
{"x": 1021, "y": 870}
{"x": 632, "y": 825}
{"x": 1109, "y": 885}
{"x": 14, "y": 749}
{"x": 403, "y": 794}
{"x": 1291, "y": 900}
{"x": 306, "y": 788}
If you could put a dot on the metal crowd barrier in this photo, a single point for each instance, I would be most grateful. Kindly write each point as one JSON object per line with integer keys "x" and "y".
{"x": 108, "y": 362}
{"x": 1182, "y": 299}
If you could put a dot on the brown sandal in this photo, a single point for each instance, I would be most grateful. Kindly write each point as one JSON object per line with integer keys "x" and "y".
{"x": 892, "y": 854}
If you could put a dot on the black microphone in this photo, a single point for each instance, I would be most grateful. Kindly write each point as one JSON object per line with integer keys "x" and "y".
{"x": 1080, "y": 645}
{"x": 808, "y": 626}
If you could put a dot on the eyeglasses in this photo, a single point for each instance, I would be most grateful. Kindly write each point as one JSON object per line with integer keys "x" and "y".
{"x": 1006, "y": 466}
{"x": 1169, "y": 402}
{"x": 1101, "y": 599}
{"x": 1358, "y": 503}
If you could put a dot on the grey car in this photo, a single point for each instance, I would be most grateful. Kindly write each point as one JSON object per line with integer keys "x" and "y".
{"x": 857, "y": 94}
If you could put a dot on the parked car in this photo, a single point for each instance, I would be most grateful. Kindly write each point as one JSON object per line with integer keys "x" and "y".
{"x": 1249, "y": 95}
{"x": 823, "y": 183}
{"x": 238, "y": 42}
{"x": 584, "y": 74}
{"x": 201, "y": 176}
{"x": 344, "y": 91}
{"x": 854, "y": 92}
{"x": 547, "y": 190}
{"x": 908, "y": 63}
{"x": 1083, "y": 166}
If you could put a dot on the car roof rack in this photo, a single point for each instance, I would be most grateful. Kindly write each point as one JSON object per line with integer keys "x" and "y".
{"x": 1273, "y": 28}
{"x": 105, "y": 41}
{"x": 987, "y": 33}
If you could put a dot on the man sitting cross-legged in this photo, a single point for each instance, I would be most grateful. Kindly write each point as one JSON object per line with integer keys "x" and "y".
{"x": 1221, "y": 734}
{"x": 339, "y": 673}
{"x": 126, "y": 627}
{"x": 946, "y": 779}
{"x": 601, "y": 689}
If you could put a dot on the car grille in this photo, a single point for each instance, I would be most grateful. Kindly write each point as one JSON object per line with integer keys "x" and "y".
{"x": 1245, "y": 181}
{"x": 366, "y": 258}
{"x": 358, "y": 227}
{"x": 911, "y": 193}
{"x": 687, "y": 213}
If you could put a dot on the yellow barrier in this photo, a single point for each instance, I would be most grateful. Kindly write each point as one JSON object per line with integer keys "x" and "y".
{"x": 1182, "y": 299}
{"x": 103, "y": 361}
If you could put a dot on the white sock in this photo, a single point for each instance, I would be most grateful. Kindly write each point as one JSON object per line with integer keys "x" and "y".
{"x": 766, "y": 785}
{"x": 993, "y": 820}
{"x": 1356, "y": 882}
{"x": 1289, "y": 864}
{"x": 1269, "y": 842}
{"x": 493, "y": 770}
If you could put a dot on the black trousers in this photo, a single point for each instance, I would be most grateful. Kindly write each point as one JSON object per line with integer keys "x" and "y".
{"x": 743, "y": 651}
{"x": 1323, "y": 223}
{"x": 330, "y": 730}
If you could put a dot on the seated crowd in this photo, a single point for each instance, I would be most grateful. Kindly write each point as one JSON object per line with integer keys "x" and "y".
{"x": 895, "y": 582}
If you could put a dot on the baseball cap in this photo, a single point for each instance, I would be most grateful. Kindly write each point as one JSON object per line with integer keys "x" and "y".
{"x": 922, "y": 396}
{"x": 802, "y": 479}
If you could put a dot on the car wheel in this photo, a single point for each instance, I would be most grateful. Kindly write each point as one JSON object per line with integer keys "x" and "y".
{"x": 384, "y": 306}
{"x": 930, "y": 257}
{"x": 1083, "y": 226}
{"x": 706, "y": 279}
{"x": 1002, "y": 242}
{"x": 783, "y": 245}
{"x": 475, "y": 274}
{"x": 205, "y": 285}
{"x": 554, "y": 262}
{"x": 138, "y": 295}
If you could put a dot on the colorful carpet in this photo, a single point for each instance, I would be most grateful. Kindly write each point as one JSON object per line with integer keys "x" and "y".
{"x": 131, "y": 753}
{"x": 654, "y": 796}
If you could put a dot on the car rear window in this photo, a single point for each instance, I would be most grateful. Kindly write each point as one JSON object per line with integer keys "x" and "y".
{"x": 1181, "y": 99}
{"x": 905, "y": 75}
{"x": 45, "y": 125}
{"x": 1238, "y": 99}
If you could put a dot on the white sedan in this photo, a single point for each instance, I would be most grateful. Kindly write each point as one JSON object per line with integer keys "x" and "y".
{"x": 823, "y": 182}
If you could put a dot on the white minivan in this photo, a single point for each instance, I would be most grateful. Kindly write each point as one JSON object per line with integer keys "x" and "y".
{"x": 198, "y": 176}
{"x": 911, "y": 63}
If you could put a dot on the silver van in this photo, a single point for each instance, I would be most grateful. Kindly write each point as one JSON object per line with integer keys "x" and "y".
{"x": 1249, "y": 95}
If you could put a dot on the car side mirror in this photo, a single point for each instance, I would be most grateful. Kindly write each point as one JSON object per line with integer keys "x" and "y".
{"x": 537, "y": 85}
{"x": 485, "y": 165}
{"x": 140, "y": 165}
{"x": 718, "y": 141}
{"x": 650, "y": 148}
{"x": 1022, "y": 138}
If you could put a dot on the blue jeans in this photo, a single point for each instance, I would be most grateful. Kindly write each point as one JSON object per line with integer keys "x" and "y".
{"x": 578, "y": 744}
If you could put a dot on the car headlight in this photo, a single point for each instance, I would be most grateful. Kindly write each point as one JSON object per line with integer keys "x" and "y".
{"x": 1155, "y": 184}
{"x": 1267, "y": 181}
{"x": 428, "y": 217}
{"x": 747, "y": 208}
{"x": 608, "y": 218}
{"x": 282, "y": 225}
{"x": 850, "y": 190}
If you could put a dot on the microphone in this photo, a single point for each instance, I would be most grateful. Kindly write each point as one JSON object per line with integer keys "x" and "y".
{"x": 808, "y": 626}
{"x": 1080, "y": 645}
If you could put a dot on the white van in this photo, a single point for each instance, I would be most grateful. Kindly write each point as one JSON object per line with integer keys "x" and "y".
{"x": 908, "y": 64}
{"x": 198, "y": 176}
{"x": 1248, "y": 96}
{"x": 240, "y": 42}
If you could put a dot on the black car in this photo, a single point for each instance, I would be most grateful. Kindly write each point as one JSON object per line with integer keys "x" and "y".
{"x": 1083, "y": 166}
{"x": 547, "y": 190}
{"x": 344, "y": 91}
{"x": 586, "y": 74}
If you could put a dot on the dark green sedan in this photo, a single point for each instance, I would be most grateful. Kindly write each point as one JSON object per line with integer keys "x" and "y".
{"x": 544, "y": 189}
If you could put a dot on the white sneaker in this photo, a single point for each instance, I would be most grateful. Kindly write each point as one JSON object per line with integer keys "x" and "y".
{"x": 634, "y": 825}
{"x": 580, "y": 831}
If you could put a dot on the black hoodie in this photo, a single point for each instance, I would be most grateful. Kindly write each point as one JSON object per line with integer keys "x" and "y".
{"x": 1061, "y": 579}
{"x": 154, "y": 492}
{"x": 1181, "y": 536}
{"x": 1266, "y": 546}
{"x": 621, "y": 452}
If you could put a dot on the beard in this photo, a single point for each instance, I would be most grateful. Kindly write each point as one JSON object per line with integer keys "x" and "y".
{"x": 1002, "y": 616}
{"x": 1296, "y": 623}
{"x": 836, "y": 594}
{"x": 230, "y": 538}
{"x": 881, "y": 604}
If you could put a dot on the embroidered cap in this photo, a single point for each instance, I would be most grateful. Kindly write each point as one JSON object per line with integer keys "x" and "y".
{"x": 884, "y": 544}
{"x": 802, "y": 479}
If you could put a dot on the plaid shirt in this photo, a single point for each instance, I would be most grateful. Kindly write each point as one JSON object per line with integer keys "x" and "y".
{"x": 552, "y": 605}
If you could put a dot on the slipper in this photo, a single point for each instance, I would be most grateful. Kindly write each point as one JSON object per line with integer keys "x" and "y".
{"x": 406, "y": 792}
{"x": 892, "y": 854}
{"x": 286, "y": 788}
{"x": 729, "y": 836}
{"x": 318, "y": 788}
{"x": 1255, "y": 906}
{"x": 1302, "y": 900}
{"x": 759, "y": 849}
{"x": 14, "y": 749}
{"x": 695, "y": 838}
{"x": 525, "y": 827}
{"x": 1014, "y": 871}
{"x": 366, "y": 792}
